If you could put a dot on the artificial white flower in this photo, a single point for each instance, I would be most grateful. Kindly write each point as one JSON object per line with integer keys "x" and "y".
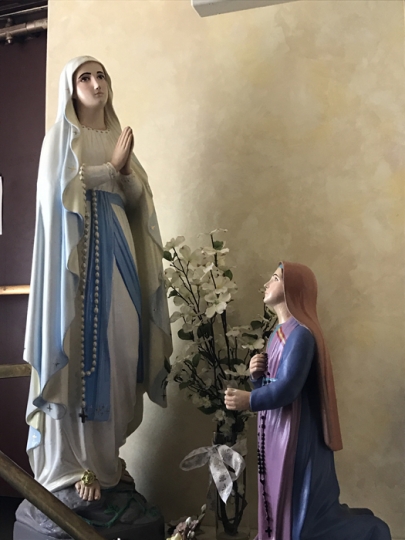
{"x": 176, "y": 368}
{"x": 218, "y": 230}
{"x": 217, "y": 303}
{"x": 226, "y": 427}
{"x": 191, "y": 348}
{"x": 200, "y": 401}
{"x": 222, "y": 285}
{"x": 184, "y": 373}
{"x": 174, "y": 242}
{"x": 184, "y": 291}
{"x": 170, "y": 272}
{"x": 226, "y": 430}
{"x": 240, "y": 370}
{"x": 187, "y": 310}
{"x": 220, "y": 341}
{"x": 209, "y": 267}
{"x": 178, "y": 301}
{"x": 229, "y": 420}
{"x": 173, "y": 276}
{"x": 199, "y": 275}
{"x": 194, "y": 258}
{"x": 235, "y": 332}
{"x": 214, "y": 297}
{"x": 205, "y": 376}
{"x": 221, "y": 260}
{"x": 258, "y": 344}
{"x": 210, "y": 251}
{"x": 187, "y": 327}
{"x": 211, "y": 298}
{"x": 178, "y": 266}
{"x": 212, "y": 232}
{"x": 185, "y": 252}
{"x": 205, "y": 288}
{"x": 175, "y": 316}
{"x": 219, "y": 416}
{"x": 206, "y": 402}
{"x": 253, "y": 344}
{"x": 240, "y": 486}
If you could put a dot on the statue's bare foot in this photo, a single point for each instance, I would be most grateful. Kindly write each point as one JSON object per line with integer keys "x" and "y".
{"x": 89, "y": 493}
{"x": 125, "y": 476}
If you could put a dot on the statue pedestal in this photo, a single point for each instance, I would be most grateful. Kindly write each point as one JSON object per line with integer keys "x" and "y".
{"x": 121, "y": 513}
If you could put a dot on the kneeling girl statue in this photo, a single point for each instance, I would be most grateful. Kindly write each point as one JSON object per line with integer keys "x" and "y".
{"x": 98, "y": 328}
{"x": 298, "y": 424}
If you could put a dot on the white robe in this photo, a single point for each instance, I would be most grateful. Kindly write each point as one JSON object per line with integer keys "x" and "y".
{"x": 70, "y": 446}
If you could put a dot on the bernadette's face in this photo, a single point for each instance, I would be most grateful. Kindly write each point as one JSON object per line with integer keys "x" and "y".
{"x": 274, "y": 289}
{"x": 90, "y": 85}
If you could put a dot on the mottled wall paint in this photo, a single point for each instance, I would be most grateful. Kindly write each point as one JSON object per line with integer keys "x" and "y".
{"x": 284, "y": 125}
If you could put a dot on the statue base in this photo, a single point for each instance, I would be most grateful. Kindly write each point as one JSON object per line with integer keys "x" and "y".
{"x": 121, "y": 512}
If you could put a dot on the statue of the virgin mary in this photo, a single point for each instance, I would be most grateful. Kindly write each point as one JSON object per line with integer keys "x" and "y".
{"x": 98, "y": 330}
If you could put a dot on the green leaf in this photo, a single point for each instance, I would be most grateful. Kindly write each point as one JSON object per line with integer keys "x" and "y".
{"x": 252, "y": 336}
{"x": 167, "y": 365}
{"x": 207, "y": 410}
{"x": 186, "y": 336}
{"x": 173, "y": 293}
{"x": 206, "y": 354}
{"x": 196, "y": 360}
{"x": 234, "y": 362}
{"x": 239, "y": 424}
{"x": 217, "y": 244}
{"x": 228, "y": 274}
{"x": 204, "y": 330}
{"x": 167, "y": 255}
{"x": 256, "y": 324}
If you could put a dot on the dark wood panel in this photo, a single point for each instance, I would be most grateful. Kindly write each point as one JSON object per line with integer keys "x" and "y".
{"x": 22, "y": 126}
{"x": 13, "y": 428}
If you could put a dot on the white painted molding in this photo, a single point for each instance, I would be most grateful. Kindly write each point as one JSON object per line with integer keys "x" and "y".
{"x": 206, "y": 8}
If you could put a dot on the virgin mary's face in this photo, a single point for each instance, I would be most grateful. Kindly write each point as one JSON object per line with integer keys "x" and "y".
{"x": 274, "y": 289}
{"x": 90, "y": 85}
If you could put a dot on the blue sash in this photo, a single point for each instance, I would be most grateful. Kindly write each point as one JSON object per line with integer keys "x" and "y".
{"x": 112, "y": 245}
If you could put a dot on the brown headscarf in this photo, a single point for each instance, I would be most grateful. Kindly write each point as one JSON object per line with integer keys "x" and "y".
{"x": 301, "y": 289}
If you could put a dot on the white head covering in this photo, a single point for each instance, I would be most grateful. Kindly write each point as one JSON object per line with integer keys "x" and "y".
{"x": 55, "y": 269}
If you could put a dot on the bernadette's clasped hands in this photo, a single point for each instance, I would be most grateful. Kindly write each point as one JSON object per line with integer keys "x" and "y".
{"x": 239, "y": 400}
{"x": 258, "y": 365}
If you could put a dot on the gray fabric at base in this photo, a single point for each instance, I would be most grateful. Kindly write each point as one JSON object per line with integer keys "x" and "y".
{"x": 140, "y": 521}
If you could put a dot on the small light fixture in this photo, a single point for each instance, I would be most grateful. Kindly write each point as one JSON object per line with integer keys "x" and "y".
{"x": 206, "y": 8}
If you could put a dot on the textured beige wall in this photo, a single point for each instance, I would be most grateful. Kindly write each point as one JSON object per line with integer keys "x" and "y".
{"x": 284, "y": 125}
